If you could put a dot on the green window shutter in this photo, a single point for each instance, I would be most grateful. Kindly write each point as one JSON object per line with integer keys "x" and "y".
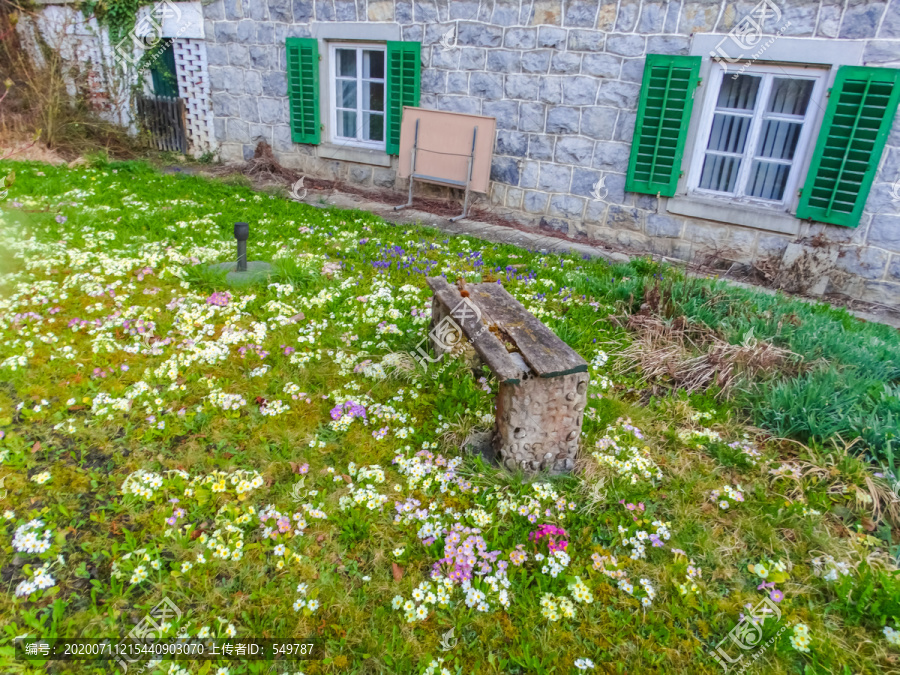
{"x": 404, "y": 65}
{"x": 664, "y": 111}
{"x": 303, "y": 89}
{"x": 857, "y": 122}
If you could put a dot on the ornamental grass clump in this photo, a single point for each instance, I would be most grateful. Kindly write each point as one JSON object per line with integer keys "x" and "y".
{"x": 691, "y": 357}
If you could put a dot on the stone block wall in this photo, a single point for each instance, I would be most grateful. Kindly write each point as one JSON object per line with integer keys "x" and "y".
{"x": 563, "y": 78}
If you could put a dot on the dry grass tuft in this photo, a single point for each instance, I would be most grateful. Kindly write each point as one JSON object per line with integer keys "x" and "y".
{"x": 264, "y": 169}
{"x": 459, "y": 433}
{"x": 27, "y": 150}
{"x": 872, "y": 494}
{"x": 592, "y": 487}
{"x": 401, "y": 366}
{"x": 693, "y": 357}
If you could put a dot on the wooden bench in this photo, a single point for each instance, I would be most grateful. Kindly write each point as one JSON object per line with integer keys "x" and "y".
{"x": 543, "y": 381}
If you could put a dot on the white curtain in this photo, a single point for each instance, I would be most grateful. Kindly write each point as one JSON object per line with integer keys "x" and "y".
{"x": 779, "y": 134}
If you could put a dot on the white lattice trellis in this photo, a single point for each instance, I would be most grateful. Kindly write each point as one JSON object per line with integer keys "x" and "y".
{"x": 193, "y": 86}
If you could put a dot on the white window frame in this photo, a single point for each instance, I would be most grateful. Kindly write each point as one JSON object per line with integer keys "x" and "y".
{"x": 716, "y": 76}
{"x": 359, "y": 47}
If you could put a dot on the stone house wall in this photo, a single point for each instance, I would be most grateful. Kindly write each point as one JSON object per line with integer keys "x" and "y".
{"x": 563, "y": 78}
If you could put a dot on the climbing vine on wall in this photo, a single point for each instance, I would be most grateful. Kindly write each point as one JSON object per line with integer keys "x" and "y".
{"x": 117, "y": 15}
{"x": 149, "y": 60}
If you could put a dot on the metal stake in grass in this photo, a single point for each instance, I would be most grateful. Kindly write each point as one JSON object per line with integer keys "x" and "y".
{"x": 243, "y": 272}
{"x": 241, "y": 233}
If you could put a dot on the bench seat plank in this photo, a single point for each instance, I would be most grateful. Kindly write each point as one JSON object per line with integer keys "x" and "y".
{"x": 545, "y": 353}
{"x": 485, "y": 343}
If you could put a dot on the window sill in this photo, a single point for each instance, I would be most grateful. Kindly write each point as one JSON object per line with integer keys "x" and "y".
{"x": 733, "y": 214}
{"x": 351, "y": 154}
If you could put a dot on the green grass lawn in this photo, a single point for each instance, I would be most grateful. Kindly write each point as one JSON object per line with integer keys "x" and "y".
{"x": 264, "y": 460}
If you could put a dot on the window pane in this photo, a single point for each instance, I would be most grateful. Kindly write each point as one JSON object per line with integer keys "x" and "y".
{"x": 778, "y": 140}
{"x": 346, "y": 94}
{"x": 373, "y": 96}
{"x": 740, "y": 93}
{"x": 790, "y": 97}
{"x": 729, "y": 133}
{"x": 346, "y": 120}
{"x": 373, "y": 65}
{"x": 374, "y": 127}
{"x": 767, "y": 180}
{"x": 346, "y": 62}
{"x": 720, "y": 173}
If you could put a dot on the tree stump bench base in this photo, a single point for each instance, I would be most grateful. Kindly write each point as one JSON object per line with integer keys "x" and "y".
{"x": 543, "y": 382}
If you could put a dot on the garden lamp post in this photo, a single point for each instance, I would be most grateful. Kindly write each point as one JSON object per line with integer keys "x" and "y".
{"x": 241, "y": 233}
{"x": 243, "y": 272}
